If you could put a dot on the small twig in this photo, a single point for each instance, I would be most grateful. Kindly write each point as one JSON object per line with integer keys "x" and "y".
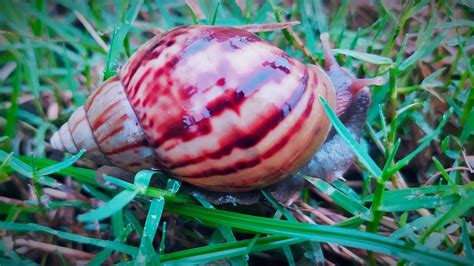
{"x": 66, "y": 252}
{"x": 389, "y": 222}
{"x": 267, "y": 27}
{"x": 194, "y": 5}
{"x": 58, "y": 194}
{"x": 433, "y": 178}
{"x": 148, "y": 27}
{"x": 469, "y": 159}
{"x": 322, "y": 195}
{"x": 328, "y": 263}
{"x": 91, "y": 30}
{"x": 340, "y": 250}
{"x": 300, "y": 45}
{"x": 316, "y": 213}
{"x": 242, "y": 5}
{"x": 15, "y": 202}
{"x": 7, "y": 70}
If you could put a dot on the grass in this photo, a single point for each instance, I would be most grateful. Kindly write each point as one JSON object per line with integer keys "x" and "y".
{"x": 408, "y": 198}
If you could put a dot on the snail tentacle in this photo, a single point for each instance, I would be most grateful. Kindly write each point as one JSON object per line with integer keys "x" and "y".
{"x": 347, "y": 86}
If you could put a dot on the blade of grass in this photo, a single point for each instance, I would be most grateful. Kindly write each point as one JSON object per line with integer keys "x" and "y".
{"x": 316, "y": 254}
{"x": 141, "y": 181}
{"x": 343, "y": 201}
{"x": 146, "y": 253}
{"x": 225, "y": 231}
{"x": 216, "y": 252}
{"x": 118, "y": 37}
{"x": 69, "y": 236}
{"x": 311, "y": 232}
{"x": 369, "y": 58}
{"x": 104, "y": 254}
{"x": 464, "y": 205}
{"x": 17, "y": 165}
{"x": 340, "y": 185}
{"x": 12, "y": 114}
{"x": 62, "y": 165}
{"x": 363, "y": 157}
{"x": 425, "y": 141}
{"x": 467, "y": 241}
{"x": 111, "y": 207}
{"x": 414, "y": 226}
{"x": 10, "y": 253}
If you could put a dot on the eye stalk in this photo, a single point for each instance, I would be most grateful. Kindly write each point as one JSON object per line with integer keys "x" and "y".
{"x": 347, "y": 86}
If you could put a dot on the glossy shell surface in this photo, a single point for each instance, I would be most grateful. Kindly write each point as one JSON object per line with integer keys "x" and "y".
{"x": 224, "y": 110}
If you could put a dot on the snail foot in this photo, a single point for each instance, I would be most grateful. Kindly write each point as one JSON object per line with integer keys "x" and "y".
{"x": 334, "y": 157}
{"x": 219, "y": 198}
{"x": 286, "y": 192}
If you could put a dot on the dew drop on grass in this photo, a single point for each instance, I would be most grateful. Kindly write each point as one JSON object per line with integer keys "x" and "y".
{"x": 109, "y": 185}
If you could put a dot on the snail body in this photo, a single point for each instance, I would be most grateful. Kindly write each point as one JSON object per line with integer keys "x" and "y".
{"x": 216, "y": 107}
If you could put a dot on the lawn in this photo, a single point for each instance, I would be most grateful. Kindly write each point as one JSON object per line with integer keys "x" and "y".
{"x": 407, "y": 198}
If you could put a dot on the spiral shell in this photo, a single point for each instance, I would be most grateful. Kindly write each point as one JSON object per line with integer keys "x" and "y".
{"x": 216, "y": 107}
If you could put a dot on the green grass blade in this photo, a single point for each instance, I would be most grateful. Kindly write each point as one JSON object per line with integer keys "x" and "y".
{"x": 69, "y": 236}
{"x": 369, "y": 58}
{"x": 457, "y": 210}
{"x": 119, "y": 182}
{"x": 104, "y": 254}
{"x": 106, "y": 210}
{"x": 363, "y": 157}
{"x": 424, "y": 143}
{"x": 414, "y": 226}
{"x": 343, "y": 201}
{"x": 17, "y": 165}
{"x": 118, "y": 38}
{"x": 311, "y": 232}
{"x": 12, "y": 114}
{"x": 315, "y": 251}
{"x": 456, "y": 23}
{"x": 467, "y": 241}
{"x": 141, "y": 181}
{"x": 468, "y": 128}
{"x": 83, "y": 175}
{"x": 411, "y": 199}
{"x": 10, "y": 253}
{"x": 340, "y": 185}
{"x": 222, "y": 251}
{"x": 422, "y": 52}
{"x": 146, "y": 252}
{"x": 62, "y": 165}
{"x": 225, "y": 231}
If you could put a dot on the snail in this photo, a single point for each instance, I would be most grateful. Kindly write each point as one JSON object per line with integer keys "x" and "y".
{"x": 220, "y": 109}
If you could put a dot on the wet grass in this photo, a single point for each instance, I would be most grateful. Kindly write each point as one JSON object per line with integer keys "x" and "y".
{"x": 409, "y": 196}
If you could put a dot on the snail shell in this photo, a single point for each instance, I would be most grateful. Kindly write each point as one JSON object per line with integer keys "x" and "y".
{"x": 216, "y": 107}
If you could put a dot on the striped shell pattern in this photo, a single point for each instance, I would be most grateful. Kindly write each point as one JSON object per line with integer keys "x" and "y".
{"x": 216, "y": 107}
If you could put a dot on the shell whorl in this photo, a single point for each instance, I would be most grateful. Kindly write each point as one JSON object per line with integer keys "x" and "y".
{"x": 108, "y": 129}
{"x": 225, "y": 110}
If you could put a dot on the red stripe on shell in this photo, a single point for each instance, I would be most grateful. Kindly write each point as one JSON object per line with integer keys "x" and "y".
{"x": 92, "y": 97}
{"x": 105, "y": 115}
{"x": 129, "y": 146}
{"x": 242, "y": 140}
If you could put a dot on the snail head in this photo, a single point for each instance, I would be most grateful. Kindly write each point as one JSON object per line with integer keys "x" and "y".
{"x": 347, "y": 86}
